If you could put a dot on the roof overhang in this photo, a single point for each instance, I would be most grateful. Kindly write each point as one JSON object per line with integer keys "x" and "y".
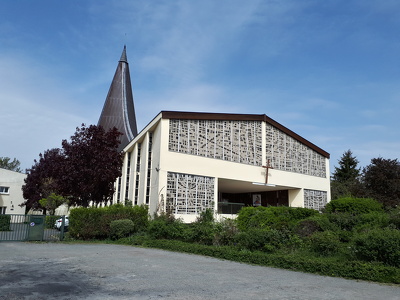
{"x": 238, "y": 186}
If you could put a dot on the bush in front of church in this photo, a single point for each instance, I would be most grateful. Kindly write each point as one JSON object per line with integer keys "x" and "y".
{"x": 324, "y": 243}
{"x": 267, "y": 240}
{"x": 278, "y": 217}
{"x": 87, "y": 223}
{"x": 379, "y": 245}
{"x": 121, "y": 228}
{"x": 166, "y": 226}
{"x": 353, "y": 206}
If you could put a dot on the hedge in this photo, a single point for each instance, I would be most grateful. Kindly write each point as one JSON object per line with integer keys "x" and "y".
{"x": 382, "y": 245}
{"x": 271, "y": 216}
{"x": 94, "y": 223}
{"x": 353, "y": 205}
{"x": 51, "y": 220}
{"x": 5, "y": 221}
{"x": 318, "y": 265}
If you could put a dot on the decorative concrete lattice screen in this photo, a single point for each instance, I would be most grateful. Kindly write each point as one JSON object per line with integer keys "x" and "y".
{"x": 288, "y": 154}
{"x": 315, "y": 199}
{"x": 189, "y": 194}
{"x": 236, "y": 141}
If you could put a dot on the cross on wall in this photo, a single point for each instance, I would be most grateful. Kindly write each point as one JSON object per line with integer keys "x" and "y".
{"x": 267, "y": 167}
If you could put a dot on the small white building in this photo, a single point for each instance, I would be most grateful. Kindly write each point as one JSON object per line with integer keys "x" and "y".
{"x": 10, "y": 192}
{"x": 186, "y": 162}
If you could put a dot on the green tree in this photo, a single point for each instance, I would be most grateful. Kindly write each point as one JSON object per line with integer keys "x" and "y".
{"x": 346, "y": 178}
{"x": 52, "y": 202}
{"x": 348, "y": 168}
{"x": 382, "y": 180}
{"x": 6, "y": 163}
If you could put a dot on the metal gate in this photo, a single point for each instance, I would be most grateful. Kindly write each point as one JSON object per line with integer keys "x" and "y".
{"x": 30, "y": 228}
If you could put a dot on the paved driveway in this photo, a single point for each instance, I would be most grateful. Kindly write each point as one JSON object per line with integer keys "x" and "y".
{"x": 96, "y": 271}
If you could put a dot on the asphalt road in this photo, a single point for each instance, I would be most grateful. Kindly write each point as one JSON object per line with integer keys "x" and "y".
{"x": 96, "y": 271}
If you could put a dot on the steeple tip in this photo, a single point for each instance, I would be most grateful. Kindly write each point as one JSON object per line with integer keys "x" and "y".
{"x": 123, "y": 56}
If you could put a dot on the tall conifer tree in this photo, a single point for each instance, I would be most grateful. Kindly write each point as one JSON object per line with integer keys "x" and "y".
{"x": 348, "y": 168}
{"x": 345, "y": 179}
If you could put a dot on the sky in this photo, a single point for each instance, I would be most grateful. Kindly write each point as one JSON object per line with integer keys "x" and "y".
{"x": 327, "y": 70}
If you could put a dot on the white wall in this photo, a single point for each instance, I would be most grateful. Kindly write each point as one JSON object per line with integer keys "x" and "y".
{"x": 12, "y": 200}
{"x": 167, "y": 161}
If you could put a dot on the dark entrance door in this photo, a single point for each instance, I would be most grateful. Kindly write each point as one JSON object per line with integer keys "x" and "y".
{"x": 276, "y": 198}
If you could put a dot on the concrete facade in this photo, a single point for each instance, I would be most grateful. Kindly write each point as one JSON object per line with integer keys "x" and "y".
{"x": 10, "y": 192}
{"x": 185, "y": 163}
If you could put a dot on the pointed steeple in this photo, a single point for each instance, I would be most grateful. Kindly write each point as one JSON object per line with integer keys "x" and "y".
{"x": 123, "y": 56}
{"x": 119, "y": 110}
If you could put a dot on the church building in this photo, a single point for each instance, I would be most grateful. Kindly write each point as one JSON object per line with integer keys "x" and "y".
{"x": 186, "y": 162}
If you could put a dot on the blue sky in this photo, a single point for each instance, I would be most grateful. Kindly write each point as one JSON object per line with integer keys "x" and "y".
{"x": 328, "y": 70}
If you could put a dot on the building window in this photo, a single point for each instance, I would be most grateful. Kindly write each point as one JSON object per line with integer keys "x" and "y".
{"x": 4, "y": 190}
{"x": 119, "y": 190}
{"x": 2, "y": 210}
{"x": 315, "y": 199}
{"x": 139, "y": 149}
{"x": 148, "y": 184}
{"x": 128, "y": 175}
{"x": 236, "y": 141}
{"x": 288, "y": 154}
{"x": 189, "y": 194}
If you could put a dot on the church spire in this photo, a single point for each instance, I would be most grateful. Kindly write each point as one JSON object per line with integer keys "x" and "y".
{"x": 119, "y": 110}
{"x": 123, "y": 56}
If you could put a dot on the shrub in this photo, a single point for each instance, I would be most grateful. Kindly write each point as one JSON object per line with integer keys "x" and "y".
{"x": 394, "y": 218}
{"x": 252, "y": 239}
{"x": 50, "y": 221}
{"x": 319, "y": 265}
{"x": 206, "y": 216}
{"x": 371, "y": 220}
{"x": 382, "y": 245}
{"x": 272, "y": 216}
{"x": 353, "y": 205}
{"x": 204, "y": 229}
{"x": 5, "y": 223}
{"x": 121, "y": 228}
{"x": 347, "y": 221}
{"x": 167, "y": 227}
{"x": 138, "y": 239}
{"x": 94, "y": 223}
{"x": 344, "y": 221}
{"x": 320, "y": 222}
{"x": 266, "y": 240}
{"x": 226, "y": 231}
{"x": 345, "y": 236}
{"x": 324, "y": 243}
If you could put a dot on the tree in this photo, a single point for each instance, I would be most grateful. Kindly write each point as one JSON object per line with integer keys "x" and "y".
{"x": 42, "y": 178}
{"x": 347, "y": 170}
{"x": 52, "y": 202}
{"x": 6, "y": 163}
{"x": 382, "y": 180}
{"x": 83, "y": 171}
{"x": 346, "y": 178}
{"x": 92, "y": 164}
